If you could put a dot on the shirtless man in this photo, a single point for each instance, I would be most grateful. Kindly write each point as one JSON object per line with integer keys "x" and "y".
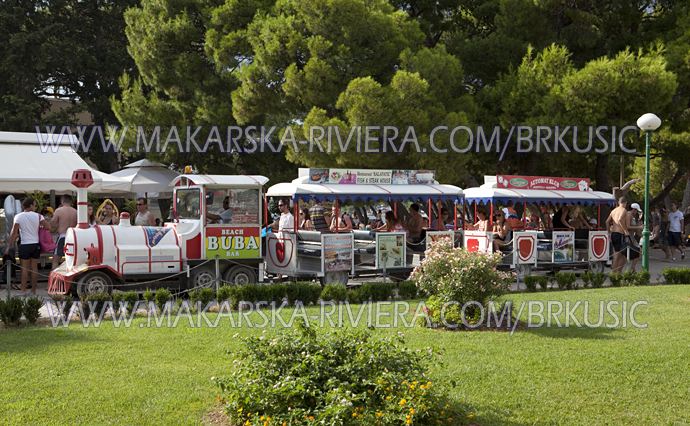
{"x": 415, "y": 224}
{"x": 617, "y": 224}
{"x": 65, "y": 217}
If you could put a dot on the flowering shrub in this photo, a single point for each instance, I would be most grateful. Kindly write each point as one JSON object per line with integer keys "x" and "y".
{"x": 345, "y": 377}
{"x": 454, "y": 274}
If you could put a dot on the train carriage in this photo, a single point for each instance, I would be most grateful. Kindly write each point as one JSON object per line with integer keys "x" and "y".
{"x": 534, "y": 247}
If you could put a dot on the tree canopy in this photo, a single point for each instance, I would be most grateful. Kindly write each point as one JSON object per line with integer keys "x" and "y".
{"x": 378, "y": 66}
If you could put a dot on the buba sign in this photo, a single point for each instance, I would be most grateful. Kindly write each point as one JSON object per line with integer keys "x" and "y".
{"x": 232, "y": 242}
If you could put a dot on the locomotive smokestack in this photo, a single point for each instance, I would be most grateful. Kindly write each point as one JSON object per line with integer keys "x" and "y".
{"x": 82, "y": 179}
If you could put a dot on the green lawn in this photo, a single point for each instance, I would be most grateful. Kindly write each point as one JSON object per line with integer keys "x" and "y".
{"x": 552, "y": 375}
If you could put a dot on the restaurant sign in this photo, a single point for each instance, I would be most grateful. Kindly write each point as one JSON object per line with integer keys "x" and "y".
{"x": 542, "y": 182}
{"x": 371, "y": 176}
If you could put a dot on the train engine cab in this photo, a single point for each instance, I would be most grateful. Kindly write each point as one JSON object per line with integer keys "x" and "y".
{"x": 214, "y": 233}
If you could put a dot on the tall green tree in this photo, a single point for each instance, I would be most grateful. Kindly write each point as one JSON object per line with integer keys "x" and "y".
{"x": 548, "y": 90}
{"x": 188, "y": 56}
{"x": 71, "y": 49}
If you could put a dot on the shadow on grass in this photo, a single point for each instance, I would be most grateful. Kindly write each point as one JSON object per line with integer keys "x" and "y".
{"x": 595, "y": 333}
{"x": 34, "y": 338}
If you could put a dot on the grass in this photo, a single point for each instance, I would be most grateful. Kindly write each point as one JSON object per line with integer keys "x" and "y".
{"x": 554, "y": 375}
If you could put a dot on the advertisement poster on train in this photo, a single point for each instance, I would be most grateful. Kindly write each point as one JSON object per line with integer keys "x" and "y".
{"x": 337, "y": 252}
{"x": 563, "y": 246}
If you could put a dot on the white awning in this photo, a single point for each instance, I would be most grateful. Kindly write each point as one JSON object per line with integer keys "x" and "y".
{"x": 28, "y": 166}
{"x": 300, "y": 189}
{"x": 489, "y": 193}
{"x": 221, "y": 180}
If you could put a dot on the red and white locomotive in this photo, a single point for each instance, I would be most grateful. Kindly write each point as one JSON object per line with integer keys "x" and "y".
{"x": 215, "y": 217}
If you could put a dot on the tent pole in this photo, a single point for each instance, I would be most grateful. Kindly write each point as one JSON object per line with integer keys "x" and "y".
{"x": 429, "y": 211}
{"x": 295, "y": 218}
{"x": 265, "y": 210}
{"x": 599, "y": 216}
{"x": 491, "y": 214}
{"x": 524, "y": 213}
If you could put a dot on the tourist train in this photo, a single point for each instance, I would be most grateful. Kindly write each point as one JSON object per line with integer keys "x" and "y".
{"x": 220, "y": 230}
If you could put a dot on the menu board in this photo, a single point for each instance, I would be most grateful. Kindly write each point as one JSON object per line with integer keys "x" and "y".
{"x": 390, "y": 250}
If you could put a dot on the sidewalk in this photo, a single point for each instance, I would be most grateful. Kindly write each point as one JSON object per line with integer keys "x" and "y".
{"x": 656, "y": 266}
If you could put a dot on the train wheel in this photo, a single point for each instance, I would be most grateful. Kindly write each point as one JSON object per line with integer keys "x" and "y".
{"x": 93, "y": 282}
{"x": 523, "y": 271}
{"x": 338, "y": 277}
{"x": 596, "y": 267}
{"x": 240, "y": 275}
{"x": 202, "y": 278}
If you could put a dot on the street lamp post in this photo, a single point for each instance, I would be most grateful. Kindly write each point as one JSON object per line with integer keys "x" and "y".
{"x": 647, "y": 123}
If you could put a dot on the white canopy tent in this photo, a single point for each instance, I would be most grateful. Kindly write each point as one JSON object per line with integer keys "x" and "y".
{"x": 148, "y": 178}
{"x": 44, "y": 162}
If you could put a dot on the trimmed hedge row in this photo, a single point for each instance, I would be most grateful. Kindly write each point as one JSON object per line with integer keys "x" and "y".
{"x": 307, "y": 293}
{"x": 11, "y": 310}
{"x": 567, "y": 280}
{"x": 676, "y": 275}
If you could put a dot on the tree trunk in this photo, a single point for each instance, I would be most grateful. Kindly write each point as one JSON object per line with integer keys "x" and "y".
{"x": 601, "y": 173}
{"x": 668, "y": 188}
{"x": 686, "y": 195}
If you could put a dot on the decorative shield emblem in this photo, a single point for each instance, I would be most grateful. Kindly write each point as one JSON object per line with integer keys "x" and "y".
{"x": 280, "y": 250}
{"x": 525, "y": 248}
{"x": 599, "y": 245}
{"x": 473, "y": 244}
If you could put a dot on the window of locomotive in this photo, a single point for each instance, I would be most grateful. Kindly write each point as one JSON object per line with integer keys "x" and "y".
{"x": 242, "y": 203}
{"x": 187, "y": 203}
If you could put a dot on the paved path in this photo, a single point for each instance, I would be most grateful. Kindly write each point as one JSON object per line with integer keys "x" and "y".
{"x": 656, "y": 265}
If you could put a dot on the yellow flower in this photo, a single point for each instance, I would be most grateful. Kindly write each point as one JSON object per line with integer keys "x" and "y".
{"x": 261, "y": 418}
{"x": 266, "y": 423}
{"x": 412, "y": 386}
{"x": 388, "y": 398}
{"x": 311, "y": 418}
{"x": 412, "y": 411}
{"x": 354, "y": 414}
{"x": 379, "y": 414}
{"x": 402, "y": 402}
{"x": 247, "y": 423}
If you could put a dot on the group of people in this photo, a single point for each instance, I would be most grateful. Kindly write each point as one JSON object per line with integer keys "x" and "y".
{"x": 626, "y": 225}
{"x": 316, "y": 218}
{"x": 29, "y": 224}
{"x": 507, "y": 219}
